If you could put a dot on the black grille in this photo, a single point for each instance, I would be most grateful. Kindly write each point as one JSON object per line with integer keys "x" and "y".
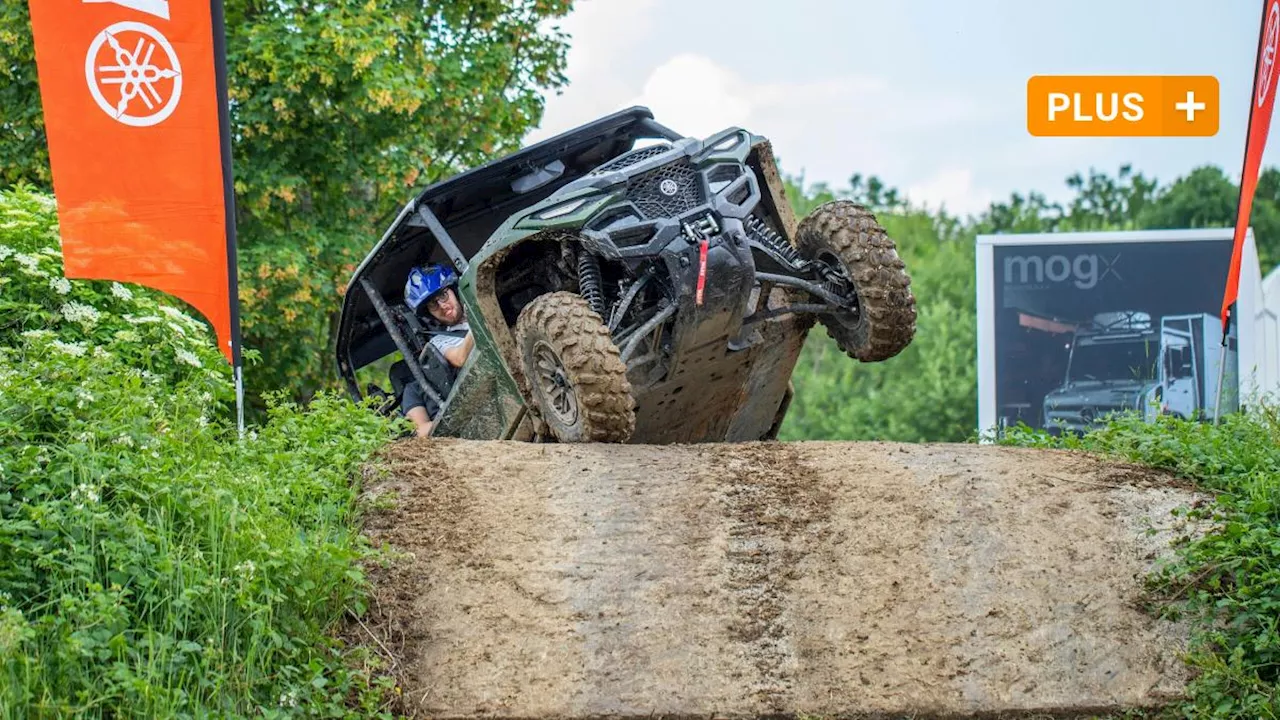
{"x": 667, "y": 191}
{"x": 630, "y": 159}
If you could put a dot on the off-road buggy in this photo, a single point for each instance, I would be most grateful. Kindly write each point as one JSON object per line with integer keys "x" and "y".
{"x": 625, "y": 284}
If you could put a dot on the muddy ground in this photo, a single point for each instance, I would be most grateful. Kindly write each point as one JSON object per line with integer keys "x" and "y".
{"x": 849, "y": 579}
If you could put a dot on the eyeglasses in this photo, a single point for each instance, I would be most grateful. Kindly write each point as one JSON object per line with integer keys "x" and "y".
{"x": 435, "y": 302}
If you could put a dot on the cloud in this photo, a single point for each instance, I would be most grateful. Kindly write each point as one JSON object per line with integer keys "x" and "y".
{"x": 951, "y": 189}
{"x": 826, "y": 128}
{"x": 603, "y": 34}
{"x": 694, "y": 96}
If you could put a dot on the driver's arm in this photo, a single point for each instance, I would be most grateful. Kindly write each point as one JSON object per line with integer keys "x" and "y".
{"x": 457, "y": 355}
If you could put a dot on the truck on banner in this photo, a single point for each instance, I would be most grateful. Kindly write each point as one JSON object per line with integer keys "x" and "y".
{"x": 1075, "y": 327}
{"x": 135, "y": 110}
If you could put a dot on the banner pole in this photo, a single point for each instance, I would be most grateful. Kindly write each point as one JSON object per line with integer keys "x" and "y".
{"x": 229, "y": 201}
{"x": 1222, "y": 368}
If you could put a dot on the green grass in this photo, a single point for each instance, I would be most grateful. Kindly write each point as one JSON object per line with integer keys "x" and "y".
{"x": 151, "y": 563}
{"x": 1227, "y": 582}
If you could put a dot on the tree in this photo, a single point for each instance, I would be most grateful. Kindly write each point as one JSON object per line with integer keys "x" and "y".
{"x": 1105, "y": 203}
{"x": 340, "y": 110}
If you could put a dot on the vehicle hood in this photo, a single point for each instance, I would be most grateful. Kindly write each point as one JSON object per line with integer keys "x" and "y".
{"x": 1098, "y": 393}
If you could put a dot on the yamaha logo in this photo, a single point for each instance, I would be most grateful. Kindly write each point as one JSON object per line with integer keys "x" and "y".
{"x": 668, "y": 187}
{"x": 1270, "y": 36}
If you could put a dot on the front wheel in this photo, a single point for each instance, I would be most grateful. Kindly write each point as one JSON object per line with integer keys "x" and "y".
{"x": 575, "y": 372}
{"x": 846, "y": 236}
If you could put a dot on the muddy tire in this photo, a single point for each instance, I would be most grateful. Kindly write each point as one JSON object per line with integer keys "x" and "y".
{"x": 847, "y": 235}
{"x": 574, "y": 370}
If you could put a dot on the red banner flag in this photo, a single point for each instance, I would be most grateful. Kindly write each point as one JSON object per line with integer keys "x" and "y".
{"x": 1261, "y": 103}
{"x": 134, "y": 98}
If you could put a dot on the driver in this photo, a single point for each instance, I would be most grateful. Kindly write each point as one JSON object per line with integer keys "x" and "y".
{"x": 434, "y": 289}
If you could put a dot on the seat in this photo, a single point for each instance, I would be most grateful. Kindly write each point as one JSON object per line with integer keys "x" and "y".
{"x": 439, "y": 373}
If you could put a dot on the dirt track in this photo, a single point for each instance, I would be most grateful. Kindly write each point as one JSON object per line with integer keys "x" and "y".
{"x": 851, "y": 579}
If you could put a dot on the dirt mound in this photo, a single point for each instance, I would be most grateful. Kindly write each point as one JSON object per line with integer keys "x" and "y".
{"x": 850, "y": 579}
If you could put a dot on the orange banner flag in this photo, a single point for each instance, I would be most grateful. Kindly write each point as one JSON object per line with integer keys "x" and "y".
{"x": 1263, "y": 102}
{"x": 134, "y": 106}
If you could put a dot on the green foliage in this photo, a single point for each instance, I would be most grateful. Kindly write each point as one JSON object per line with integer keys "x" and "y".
{"x": 928, "y": 392}
{"x": 338, "y": 113}
{"x": 154, "y": 564}
{"x": 1227, "y": 582}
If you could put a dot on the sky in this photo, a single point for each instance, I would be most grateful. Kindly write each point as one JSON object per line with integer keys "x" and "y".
{"x": 929, "y": 95}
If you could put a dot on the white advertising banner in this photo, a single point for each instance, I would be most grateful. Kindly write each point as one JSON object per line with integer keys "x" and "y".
{"x": 1073, "y": 326}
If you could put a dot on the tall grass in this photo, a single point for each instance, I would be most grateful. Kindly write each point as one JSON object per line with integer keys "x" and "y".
{"x": 151, "y": 563}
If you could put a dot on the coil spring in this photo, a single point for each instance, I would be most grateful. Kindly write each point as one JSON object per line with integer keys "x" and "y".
{"x": 763, "y": 233}
{"x": 589, "y": 281}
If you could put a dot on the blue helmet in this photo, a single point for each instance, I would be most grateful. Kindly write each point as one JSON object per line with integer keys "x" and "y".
{"x": 422, "y": 284}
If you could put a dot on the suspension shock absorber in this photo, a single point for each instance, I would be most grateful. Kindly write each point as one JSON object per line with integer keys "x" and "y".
{"x": 766, "y": 236}
{"x": 589, "y": 284}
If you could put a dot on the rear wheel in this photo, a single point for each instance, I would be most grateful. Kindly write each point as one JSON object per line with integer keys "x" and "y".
{"x": 574, "y": 370}
{"x": 847, "y": 237}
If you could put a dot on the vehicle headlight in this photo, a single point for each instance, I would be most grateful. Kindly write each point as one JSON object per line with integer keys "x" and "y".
{"x": 1149, "y": 403}
{"x": 561, "y": 209}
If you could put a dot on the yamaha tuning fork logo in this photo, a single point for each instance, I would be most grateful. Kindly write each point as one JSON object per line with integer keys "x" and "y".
{"x": 1083, "y": 271}
{"x": 134, "y": 74}
{"x": 132, "y": 69}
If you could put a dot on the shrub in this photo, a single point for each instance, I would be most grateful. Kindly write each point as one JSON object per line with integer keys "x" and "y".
{"x": 154, "y": 564}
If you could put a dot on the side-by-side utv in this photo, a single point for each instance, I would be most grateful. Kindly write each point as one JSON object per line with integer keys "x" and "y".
{"x": 624, "y": 284}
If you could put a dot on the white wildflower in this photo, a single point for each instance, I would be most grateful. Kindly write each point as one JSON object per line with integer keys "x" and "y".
{"x": 187, "y": 357}
{"x": 246, "y": 569}
{"x": 30, "y": 265}
{"x": 124, "y": 440}
{"x": 101, "y": 354}
{"x": 72, "y": 349}
{"x": 177, "y": 314}
{"x": 206, "y": 398}
{"x": 128, "y": 336}
{"x": 81, "y": 313}
{"x": 84, "y": 437}
{"x": 177, "y": 328}
{"x": 85, "y": 396}
{"x": 202, "y": 421}
{"x": 37, "y": 334}
{"x": 121, "y": 291}
{"x": 5, "y": 252}
{"x": 85, "y": 493}
{"x": 60, "y": 284}
{"x": 143, "y": 320}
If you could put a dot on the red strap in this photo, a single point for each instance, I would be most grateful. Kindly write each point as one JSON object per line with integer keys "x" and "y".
{"x": 702, "y": 268}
